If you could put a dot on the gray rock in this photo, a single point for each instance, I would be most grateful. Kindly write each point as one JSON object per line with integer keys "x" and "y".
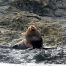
{"x": 59, "y": 12}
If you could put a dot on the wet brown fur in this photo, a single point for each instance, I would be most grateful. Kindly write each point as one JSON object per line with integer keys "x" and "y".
{"x": 33, "y": 37}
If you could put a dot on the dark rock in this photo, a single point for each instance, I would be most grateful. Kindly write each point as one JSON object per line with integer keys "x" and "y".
{"x": 42, "y": 7}
{"x": 20, "y": 47}
{"x": 59, "y": 12}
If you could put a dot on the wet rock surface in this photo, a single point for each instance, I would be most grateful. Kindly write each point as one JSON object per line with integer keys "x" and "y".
{"x": 57, "y": 56}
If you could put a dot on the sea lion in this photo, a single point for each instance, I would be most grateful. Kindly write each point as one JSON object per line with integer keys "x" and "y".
{"x": 32, "y": 39}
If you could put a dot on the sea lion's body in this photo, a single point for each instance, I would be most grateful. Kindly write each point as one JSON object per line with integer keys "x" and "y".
{"x": 32, "y": 39}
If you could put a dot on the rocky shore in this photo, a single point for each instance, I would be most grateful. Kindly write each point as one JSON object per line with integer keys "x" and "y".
{"x": 50, "y": 18}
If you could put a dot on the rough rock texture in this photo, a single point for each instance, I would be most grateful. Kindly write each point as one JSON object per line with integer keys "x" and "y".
{"x": 21, "y": 13}
{"x": 43, "y": 7}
